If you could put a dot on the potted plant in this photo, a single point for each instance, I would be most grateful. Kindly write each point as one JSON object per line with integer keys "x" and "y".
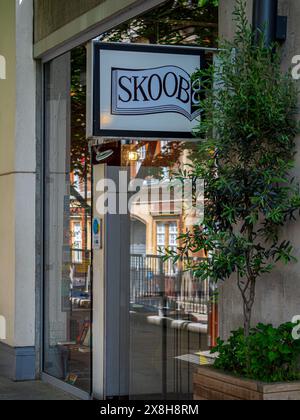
{"x": 261, "y": 366}
{"x": 246, "y": 154}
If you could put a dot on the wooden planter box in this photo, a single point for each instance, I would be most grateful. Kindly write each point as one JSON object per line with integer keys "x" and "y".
{"x": 211, "y": 384}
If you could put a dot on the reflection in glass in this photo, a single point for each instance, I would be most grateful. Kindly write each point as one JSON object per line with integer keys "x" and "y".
{"x": 67, "y": 346}
{"x": 169, "y": 307}
{"x": 168, "y": 323}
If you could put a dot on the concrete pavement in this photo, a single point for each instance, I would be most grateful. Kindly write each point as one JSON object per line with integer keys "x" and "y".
{"x": 35, "y": 391}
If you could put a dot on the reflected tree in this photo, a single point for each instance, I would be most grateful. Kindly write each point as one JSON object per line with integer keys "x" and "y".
{"x": 175, "y": 22}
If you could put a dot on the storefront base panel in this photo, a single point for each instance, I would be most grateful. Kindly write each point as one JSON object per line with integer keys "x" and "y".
{"x": 17, "y": 363}
{"x": 66, "y": 387}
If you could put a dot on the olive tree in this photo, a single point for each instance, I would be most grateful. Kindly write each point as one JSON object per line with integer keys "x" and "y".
{"x": 246, "y": 155}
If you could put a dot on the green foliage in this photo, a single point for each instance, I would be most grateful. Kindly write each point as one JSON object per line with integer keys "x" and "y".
{"x": 174, "y": 22}
{"x": 203, "y": 3}
{"x": 269, "y": 354}
{"x": 79, "y": 145}
{"x": 245, "y": 156}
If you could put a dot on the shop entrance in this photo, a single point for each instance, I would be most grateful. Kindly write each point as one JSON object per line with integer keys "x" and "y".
{"x": 118, "y": 320}
{"x": 150, "y": 315}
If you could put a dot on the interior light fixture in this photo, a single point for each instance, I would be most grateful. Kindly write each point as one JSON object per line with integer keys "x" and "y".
{"x": 133, "y": 156}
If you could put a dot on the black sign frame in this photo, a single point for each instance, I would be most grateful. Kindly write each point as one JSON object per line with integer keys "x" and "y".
{"x": 160, "y": 49}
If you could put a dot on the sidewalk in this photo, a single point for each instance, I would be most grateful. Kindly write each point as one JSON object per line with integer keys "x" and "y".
{"x": 30, "y": 391}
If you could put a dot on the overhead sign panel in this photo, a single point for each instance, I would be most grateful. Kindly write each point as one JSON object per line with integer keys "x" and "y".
{"x": 146, "y": 91}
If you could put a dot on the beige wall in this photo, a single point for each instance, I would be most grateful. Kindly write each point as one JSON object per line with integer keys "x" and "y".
{"x": 51, "y": 15}
{"x": 278, "y": 294}
{"x": 7, "y": 153}
{"x": 8, "y": 87}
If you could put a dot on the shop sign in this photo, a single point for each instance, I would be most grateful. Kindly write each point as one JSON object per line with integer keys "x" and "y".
{"x": 146, "y": 91}
{"x": 97, "y": 233}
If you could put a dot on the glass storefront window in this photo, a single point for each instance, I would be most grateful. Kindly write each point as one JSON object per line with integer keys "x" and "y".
{"x": 167, "y": 323}
{"x": 168, "y": 306}
{"x": 67, "y": 324}
{"x": 157, "y": 310}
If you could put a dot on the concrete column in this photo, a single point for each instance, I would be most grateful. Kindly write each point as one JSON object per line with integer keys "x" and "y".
{"x": 226, "y": 19}
{"x": 17, "y": 190}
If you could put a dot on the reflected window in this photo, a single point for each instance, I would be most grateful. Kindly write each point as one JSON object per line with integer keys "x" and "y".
{"x": 77, "y": 243}
{"x": 173, "y": 235}
{"x": 161, "y": 235}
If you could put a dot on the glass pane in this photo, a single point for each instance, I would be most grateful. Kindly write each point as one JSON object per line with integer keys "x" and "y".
{"x": 168, "y": 324}
{"x": 67, "y": 347}
{"x": 169, "y": 307}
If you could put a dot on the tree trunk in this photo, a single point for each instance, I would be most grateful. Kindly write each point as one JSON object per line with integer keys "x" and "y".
{"x": 248, "y": 294}
{"x": 247, "y": 319}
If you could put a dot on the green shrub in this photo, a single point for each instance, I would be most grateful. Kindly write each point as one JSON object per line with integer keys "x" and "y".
{"x": 268, "y": 354}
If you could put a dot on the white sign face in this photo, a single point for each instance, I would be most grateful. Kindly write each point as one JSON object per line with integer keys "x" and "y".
{"x": 146, "y": 91}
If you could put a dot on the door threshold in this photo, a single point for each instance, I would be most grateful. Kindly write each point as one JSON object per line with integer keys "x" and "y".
{"x": 72, "y": 390}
